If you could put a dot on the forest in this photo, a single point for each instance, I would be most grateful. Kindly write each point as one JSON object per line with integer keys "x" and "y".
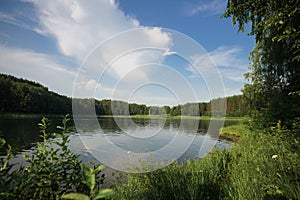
{"x": 23, "y": 96}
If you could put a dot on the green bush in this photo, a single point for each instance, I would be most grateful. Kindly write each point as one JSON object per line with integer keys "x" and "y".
{"x": 50, "y": 172}
{"x": 5, "y": 167}
{"x": 90, "y": 181}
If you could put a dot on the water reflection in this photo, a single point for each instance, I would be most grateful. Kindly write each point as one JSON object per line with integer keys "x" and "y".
{"x": 174, "y": 138}
{"x": 121, "y": 143}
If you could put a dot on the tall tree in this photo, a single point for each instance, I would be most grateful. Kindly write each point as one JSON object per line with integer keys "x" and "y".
{"x": 274, "y": 86}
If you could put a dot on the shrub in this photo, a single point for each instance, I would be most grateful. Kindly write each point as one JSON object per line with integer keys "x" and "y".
{"x": 49, "y": 172}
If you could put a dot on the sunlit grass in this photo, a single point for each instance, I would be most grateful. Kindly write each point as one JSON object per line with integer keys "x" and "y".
{"x": 262, "y": 165}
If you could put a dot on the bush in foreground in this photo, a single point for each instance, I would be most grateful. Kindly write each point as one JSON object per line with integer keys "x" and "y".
{"x": 51, "y": 171}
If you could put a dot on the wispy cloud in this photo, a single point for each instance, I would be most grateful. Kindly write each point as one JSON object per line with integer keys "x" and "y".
{"x": 226, "y": 59}
{"x": 214, "y": 7}
{"x": 38, "y": 67}
{"x": 11, "y": 19}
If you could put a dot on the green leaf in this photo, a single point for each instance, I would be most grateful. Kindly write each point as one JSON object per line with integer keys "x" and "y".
{"x": 99, "y": 168}
{"x": 2, "y": 142}
{"x": 26, "y": 156}
{"x": 76, "y": 196}
{"x": 104, "y": 193}
{"x": 90, "y": 179}
{"x": 58, "y": 135}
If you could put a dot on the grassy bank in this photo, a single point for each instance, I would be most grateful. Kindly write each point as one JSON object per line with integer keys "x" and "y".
{"x": 262, "y": 165}
{"x": 22, "y": 115}
{"x": 233, "y": 133}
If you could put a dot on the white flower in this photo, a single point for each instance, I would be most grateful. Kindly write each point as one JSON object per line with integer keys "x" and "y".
{"x": 274, "y": 156}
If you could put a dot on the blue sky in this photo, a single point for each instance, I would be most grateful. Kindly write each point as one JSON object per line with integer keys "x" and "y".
{"x": 66, "y": 45}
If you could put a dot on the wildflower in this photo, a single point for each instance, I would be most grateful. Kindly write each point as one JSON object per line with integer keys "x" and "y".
{"x": 274, "y": 156}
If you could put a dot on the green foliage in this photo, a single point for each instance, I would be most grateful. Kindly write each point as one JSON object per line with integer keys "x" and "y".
{"x": 265, "y": 165}
{"x": 90, "y": 181}
{"x": 262, "y": 165}
{"x": 275, "y": 68}
{"x": 235, "y": 107}
{"x": 233, "y": 133}
{"x": 191, "y": 180}
{"x": 22, "y": 96}
{"x": 5, "y": 167}
{"x": 49, "y": 172}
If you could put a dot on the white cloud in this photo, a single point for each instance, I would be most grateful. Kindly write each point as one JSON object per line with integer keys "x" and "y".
{"x": 226, "y": 59}
{"x": 37, "y": 67}
{"x": 91, "y": 85}
{"x": 232, "y": 91}
{"x": 79, "y": 26}
{"x": 169, "y": 53}
{"x": 214, "y": 7}
{"x": 203, "y": 63}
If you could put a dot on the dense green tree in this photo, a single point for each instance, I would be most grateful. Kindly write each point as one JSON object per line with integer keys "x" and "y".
{"x": 273, "y": 91}
{"x": 190, "y": 109}
{"x": 120, "y": 108}
{"x": 133, "y": 109}
{"x": 167, "y": 109}
{"x": 23, "y": 96}
{"x": 176, "y": 110}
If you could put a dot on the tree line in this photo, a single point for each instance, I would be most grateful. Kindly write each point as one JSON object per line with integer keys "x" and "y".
{"x": 23, "y": 96}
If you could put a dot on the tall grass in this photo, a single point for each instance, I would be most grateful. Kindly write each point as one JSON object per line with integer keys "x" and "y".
{"x": 262, "y": 165}
{"x": 191, "y": 180}
{"x": 265, "y": 165}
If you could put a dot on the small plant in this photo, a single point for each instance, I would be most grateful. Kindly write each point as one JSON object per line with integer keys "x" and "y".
{"x": 90, "y": 181}
{"x": 50, "y": 171}
{"x": 5, "y": 167}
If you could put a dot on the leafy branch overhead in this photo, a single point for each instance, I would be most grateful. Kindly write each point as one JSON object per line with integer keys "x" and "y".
{"x": 275, "y": 67}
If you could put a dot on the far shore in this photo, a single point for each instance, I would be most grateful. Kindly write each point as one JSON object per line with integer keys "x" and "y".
{"x": 34, "y": 115}
{"x": 171, "y": 117}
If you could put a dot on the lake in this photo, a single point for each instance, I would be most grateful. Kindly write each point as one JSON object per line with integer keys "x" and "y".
{"x": 122, "y": 142}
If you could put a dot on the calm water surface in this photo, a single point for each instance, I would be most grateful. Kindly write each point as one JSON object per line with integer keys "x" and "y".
{"x": 124, "y": 135}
